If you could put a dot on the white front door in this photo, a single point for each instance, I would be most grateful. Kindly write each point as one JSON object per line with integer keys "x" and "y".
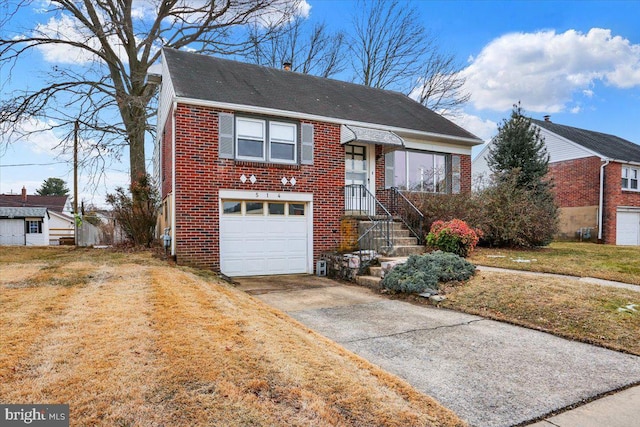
{"x": 358, "y": 177}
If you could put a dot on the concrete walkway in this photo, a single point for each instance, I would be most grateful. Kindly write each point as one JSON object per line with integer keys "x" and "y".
{"x": 489, "y": 373}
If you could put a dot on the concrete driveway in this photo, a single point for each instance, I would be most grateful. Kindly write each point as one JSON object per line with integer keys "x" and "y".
{"x": 489, "y": 373}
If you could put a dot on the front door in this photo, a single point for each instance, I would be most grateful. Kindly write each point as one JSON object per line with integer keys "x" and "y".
{"x": 357, "y": 170}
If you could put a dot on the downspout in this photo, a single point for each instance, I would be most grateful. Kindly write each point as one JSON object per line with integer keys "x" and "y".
{"x": 601, "y": 201}
{"x": 173, "y": 177}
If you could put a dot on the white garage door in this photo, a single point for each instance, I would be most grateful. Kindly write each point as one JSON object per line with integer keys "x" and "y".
{"x": 628, "y": 227}
{"x": 12, "y": 232}
{"x": 263, "y": 237}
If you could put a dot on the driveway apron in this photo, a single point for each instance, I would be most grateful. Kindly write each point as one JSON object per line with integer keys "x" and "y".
{"x": 489, "y": 373}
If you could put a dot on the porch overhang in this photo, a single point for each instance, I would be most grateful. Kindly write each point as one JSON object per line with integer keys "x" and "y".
{"x": 351, "y": 133}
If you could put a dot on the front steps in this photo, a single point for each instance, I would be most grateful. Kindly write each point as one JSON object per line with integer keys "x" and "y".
{"x": 404, "y": 244}
{"x": 373, "y": 279}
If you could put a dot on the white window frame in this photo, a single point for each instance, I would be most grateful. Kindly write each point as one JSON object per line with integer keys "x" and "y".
{"x": 263, "y": 140}
{"x": 630, "y": 174}
{"x": 436, "y": 175}
{"x": 294, "y": 143}
{"x": 37, "y": 224}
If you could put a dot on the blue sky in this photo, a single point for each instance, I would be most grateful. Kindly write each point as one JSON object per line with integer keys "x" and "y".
{"x": 578, "y": 61}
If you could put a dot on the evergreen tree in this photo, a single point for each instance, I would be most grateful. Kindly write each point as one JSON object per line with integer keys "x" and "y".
{"x": 53, "y": 187}
{"x": 519, "y": 146}
{"x": 520, "y": 204}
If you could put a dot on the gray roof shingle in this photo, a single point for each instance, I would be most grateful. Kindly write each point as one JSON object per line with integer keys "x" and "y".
{"x": 209, "y": 78}
{"x": 608, "y": 146}
{"x": 13, "y": 212}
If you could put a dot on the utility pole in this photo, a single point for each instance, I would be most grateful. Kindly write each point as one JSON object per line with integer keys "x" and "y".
{"x": 75, "y": 179}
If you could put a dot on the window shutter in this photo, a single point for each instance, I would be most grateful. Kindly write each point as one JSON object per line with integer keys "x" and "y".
{"x": 389, "y": 170}
{"x": 306, "y": 144}
{"x": 225, "y": 135}
{"x": 455, "y": 174}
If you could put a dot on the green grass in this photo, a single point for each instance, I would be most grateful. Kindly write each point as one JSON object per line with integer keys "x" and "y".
{"x": 617, "y": 263}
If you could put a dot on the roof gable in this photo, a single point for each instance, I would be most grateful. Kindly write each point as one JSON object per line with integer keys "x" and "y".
{"x": 607, "y": 146}
{"x": 207, "y": 78}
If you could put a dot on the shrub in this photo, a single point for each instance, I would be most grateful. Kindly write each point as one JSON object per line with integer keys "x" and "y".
{"x": 453, "y": 236}
{"x": 446, "y": 207}
{"x": 424, "y": 272}
{"x": 136, "y": 214}
{"x": 517, "y": 216}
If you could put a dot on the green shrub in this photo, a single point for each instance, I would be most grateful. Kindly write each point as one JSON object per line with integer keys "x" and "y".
{"x": 453, "y": 236}
{"x": 423, "y": 272}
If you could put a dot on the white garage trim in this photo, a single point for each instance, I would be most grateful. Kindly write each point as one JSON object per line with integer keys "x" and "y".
{"x": 272, "y": 196}
{"x": 628, "y": 226}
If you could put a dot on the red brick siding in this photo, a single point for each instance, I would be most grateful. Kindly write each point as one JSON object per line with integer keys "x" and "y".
{"x": 577, "y": 182}
{"x": 614, "y": 197}
{"x": 465, "y": 173}
{"x": 200, "y": 173}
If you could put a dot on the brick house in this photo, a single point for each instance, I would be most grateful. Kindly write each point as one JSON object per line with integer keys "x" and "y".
{"x": 257, "y": 167}
{"x": 596, "y": 182}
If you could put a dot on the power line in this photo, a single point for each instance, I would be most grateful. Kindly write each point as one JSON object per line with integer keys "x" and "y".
{"x": 32, "y": 164}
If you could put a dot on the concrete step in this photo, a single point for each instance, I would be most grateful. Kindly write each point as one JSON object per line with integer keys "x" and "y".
{"x": 375, "y": 271}
{"x": 369, "y": 282}
{"x": 394, "y": 225}
{"x": 405, "y": 251}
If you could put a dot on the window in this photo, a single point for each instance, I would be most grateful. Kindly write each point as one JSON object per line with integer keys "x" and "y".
{"x": 276, "y": 208}
{"x": 296, "y": 208}
{"x": 262, "y": 140}
{"x": 232, "y": 208}
{"x": 251, "y": 139}
{"x": 34, "y": 227}
{"x": 417, "y": 171}
{"x": 282, "y": 142}
{"x": 630, "y": 178}
{"x": 254, "y": 208}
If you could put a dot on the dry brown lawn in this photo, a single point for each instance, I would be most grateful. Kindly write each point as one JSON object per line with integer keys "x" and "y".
{"x": 127, "y": 340}
{"x": 609, "y": 317}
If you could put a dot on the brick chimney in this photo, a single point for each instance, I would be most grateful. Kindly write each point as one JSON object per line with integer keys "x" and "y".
{"x": 24, "y": 194}
{"x": 286, "y": 66}
{"x": 547, "y": 118}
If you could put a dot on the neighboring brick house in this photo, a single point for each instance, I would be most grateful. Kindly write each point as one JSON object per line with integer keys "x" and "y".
{"x": 252, "y": 162}
{"x": 596, "y": 179}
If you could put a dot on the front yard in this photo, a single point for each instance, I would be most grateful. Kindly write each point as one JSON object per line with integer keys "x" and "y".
{"x": 127, "y": 340}
{"x": 609, "y": 317}
{"x": 617, "y": 263}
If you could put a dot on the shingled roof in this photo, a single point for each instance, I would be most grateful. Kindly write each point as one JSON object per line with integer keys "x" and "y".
{"x": 53, "y": 203}
{"x": 607, "y": 146}
{"x": 201, "y": 77}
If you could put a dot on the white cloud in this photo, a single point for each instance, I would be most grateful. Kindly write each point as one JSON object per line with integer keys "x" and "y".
{"x": 545, "y": 69}
{"x": 484, "y": 129}
{"x": 33, "y": 134}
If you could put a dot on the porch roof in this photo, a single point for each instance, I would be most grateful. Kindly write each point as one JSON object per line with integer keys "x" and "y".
{"x": 350, "y": 133}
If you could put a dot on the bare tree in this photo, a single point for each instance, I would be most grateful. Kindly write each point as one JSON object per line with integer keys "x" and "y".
{"x": 440, "y": 85}
{"x": 111, "y": 44}
{"x": 391, "y": 49}
{"x": 310, "y": 50}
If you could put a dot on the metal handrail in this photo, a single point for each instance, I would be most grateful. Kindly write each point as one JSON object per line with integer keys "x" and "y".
{"x": 408, "y": 213}
{"x": 379, "y": 236}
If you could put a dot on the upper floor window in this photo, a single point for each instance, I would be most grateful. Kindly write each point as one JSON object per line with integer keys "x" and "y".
{"x": 630, "y": 178}
{"x": 266, "y": 140}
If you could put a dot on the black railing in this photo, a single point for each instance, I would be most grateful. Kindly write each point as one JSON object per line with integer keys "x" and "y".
{"x": 408, "y": 213}
{"x": 376, "y": 234}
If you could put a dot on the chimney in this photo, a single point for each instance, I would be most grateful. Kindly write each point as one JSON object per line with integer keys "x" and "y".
{"x": 24, "y": 194}
{"x": 286, "y": 66}
{"x": 547, "y": 118}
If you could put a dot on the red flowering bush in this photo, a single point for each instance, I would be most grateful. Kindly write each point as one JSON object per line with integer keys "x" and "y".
{"x": 453, "y": 236}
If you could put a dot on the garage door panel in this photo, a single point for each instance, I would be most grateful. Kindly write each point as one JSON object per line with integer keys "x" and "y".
{"x": 628, "y": 228}
{"x": 12, "y": 232}
{"x": 267, "y": 244}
